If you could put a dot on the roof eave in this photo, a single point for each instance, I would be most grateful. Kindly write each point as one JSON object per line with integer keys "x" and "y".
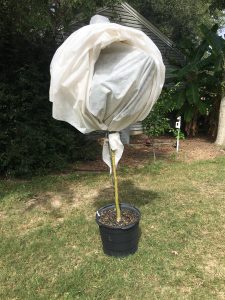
{"x": 146, "y": 23}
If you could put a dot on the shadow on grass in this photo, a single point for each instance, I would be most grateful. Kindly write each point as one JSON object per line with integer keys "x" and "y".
{"x": 128, "y": 193}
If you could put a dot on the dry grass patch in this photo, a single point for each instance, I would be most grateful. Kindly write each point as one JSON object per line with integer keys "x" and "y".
{"x": 50, "y": 246}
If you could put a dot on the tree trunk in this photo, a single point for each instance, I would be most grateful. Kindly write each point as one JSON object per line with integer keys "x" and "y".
{"x": 220, "y": 140}
{"x": 191, "y": 128}
{"x": 212, "y": 119}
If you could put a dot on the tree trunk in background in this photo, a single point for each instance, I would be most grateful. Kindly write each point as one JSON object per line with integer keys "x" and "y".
{"x": 191, "y": 128}
{"x": 212, "y": 119}
{"x": 220, "y": 140}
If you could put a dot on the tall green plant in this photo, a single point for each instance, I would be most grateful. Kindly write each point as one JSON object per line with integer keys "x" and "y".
{"x": 199, "y": 80}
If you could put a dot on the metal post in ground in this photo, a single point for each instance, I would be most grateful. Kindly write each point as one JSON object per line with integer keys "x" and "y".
{"x": 178, "y": 125}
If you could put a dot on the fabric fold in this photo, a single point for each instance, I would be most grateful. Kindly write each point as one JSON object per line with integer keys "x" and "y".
{"x": 114, "y": 143}
{"x": 105, "y": 77}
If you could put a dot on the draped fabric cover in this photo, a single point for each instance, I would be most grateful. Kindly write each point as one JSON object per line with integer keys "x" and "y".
{"x": 105, "y": 77}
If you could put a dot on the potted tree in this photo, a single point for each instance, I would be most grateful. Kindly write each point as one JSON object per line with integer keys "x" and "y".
{"x": 118, "y": 223}
{"x": 106, "y": 77}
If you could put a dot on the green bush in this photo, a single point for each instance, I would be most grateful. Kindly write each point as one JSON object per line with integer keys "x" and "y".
{"x": 31, "y": 140}
{"x": 157, "y": 122}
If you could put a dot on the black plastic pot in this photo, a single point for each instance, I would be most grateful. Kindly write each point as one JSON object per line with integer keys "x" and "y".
{"x": 119, "y": 241}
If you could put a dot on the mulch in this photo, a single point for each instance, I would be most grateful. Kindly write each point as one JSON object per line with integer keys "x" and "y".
{"x": 141, "y": 150}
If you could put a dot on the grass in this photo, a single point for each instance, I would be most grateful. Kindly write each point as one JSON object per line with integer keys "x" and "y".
{"x": 50, "y": 246}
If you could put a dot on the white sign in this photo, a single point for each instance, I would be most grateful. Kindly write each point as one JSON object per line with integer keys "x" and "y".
{"x": 221, "y": 32}
{"x": 178, "y": 123}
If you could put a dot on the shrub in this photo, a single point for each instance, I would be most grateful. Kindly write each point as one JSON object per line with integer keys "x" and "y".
{"x": 158, "y": 122}
{"x": 31, "y": 140}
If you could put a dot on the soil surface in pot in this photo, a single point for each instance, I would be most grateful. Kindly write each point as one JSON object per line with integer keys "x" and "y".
{"x": 128, "y": 217}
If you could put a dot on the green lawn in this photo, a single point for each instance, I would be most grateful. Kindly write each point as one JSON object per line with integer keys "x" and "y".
{"x": 50, "y": 246}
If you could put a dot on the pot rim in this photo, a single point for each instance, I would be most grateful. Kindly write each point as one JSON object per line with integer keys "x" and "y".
{"x": 122, "y": 205}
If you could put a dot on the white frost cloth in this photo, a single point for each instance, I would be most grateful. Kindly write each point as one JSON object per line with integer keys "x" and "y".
{"x": 105, "y": 77}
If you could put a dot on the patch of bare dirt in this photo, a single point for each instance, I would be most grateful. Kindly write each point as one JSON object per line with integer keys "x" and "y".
{"x": 141, "y": 150}
{"x": 200, "y": 149}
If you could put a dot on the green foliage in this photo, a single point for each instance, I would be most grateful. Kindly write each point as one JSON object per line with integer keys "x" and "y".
{"x": 29, "y": 17}
{"x": 31, "y": 140}
{"x": 157, "y": 122}
{"x": 177, "y": 133}
{"x": 199, "y": 81}
{"x": 187, "y": 15}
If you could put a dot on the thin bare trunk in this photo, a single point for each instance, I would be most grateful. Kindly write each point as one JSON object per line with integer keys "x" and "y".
{"x": 220, "y": 140}
{"x": 191, "y": 127}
